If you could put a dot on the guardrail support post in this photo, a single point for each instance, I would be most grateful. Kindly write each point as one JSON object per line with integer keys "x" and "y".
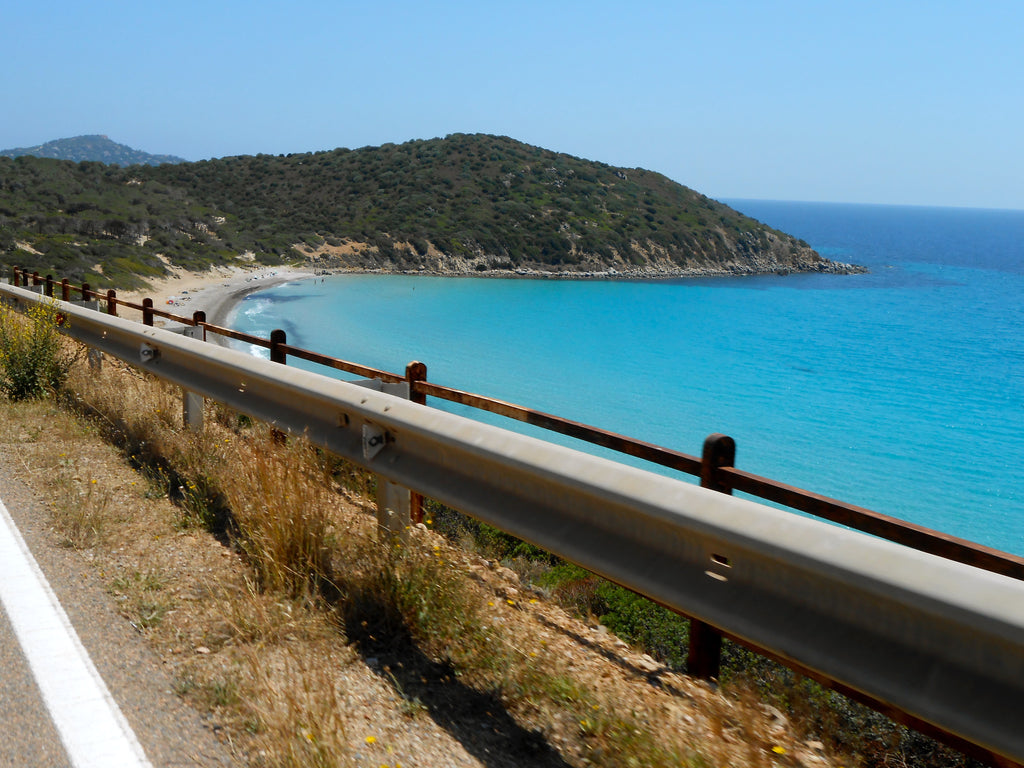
{"x": 112, "y": 302}
{"x": 49, "y": 286}
{"x": 65, "y": 290}
{"x": 192, "y": 403}
{"x": 95, "y": 356}
{"x": 34, "y": 283}
{"x": 393, "y": 503}
{"x": 192, "y": 410}
{"x": 147, "y": 312}
{"x": 705, "y": 654}
{"x": 416, "y": 371}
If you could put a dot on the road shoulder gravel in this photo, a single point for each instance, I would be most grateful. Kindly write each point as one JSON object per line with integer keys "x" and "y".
{"x": 172, "y": 734}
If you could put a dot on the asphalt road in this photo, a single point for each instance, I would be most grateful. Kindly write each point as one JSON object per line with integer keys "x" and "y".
{"x": 27, "y": 736}
{"x": 171, "y": 734}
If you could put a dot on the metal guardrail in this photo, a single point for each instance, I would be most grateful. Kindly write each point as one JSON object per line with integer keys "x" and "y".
{"x": 939, "y": 641}
{"x": 714, "y": 467}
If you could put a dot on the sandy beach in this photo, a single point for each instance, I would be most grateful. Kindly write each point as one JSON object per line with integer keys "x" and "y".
{"x": 214, "y": 292}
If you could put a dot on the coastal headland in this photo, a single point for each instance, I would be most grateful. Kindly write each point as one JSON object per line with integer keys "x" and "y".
{"x": 479, "y": 205}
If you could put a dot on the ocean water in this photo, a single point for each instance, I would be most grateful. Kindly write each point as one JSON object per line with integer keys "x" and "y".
{"x": 901, "y": 390}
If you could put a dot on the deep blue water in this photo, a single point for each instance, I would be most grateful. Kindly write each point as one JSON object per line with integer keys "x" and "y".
{"x": 901, "y": 390}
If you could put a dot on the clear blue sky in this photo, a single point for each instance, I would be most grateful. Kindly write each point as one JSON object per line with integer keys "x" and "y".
{"x": 883, "y": 102}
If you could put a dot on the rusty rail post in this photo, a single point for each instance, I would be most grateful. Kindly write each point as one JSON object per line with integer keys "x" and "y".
{"x": 49, "y": 286}
{"x": 416, "y": 371}
{"x": 112, "y": 302}
{"x": 719, "y": 451}
{"x": 86, "y": 290}
{"x": 705, "y": 653}
{"x": 65, "y": 290}
{"x": 36, "y": 279}
{"x": 278, "y": 339}
{"x": 17, "y": 277}
{"x": 147, "y": 312}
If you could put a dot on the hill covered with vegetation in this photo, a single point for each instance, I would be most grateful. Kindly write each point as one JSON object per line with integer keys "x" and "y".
{"x": 96, "y": 147}
{"x": 93, "y": 222}
{"x": 465, "y": 204}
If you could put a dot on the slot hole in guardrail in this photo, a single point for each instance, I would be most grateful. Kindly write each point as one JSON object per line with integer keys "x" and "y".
{"x": 718, "y": 562}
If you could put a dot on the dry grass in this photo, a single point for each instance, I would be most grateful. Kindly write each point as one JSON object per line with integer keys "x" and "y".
{"x": 281, "y": 504}
{"x": 80, "y": 506}
{"x": 256, "y": 572}
{"x": 300, "y": 724}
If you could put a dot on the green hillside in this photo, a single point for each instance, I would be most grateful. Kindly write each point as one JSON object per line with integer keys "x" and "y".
{"x": 94, "y": 222}
{"x": 462, "y": 204}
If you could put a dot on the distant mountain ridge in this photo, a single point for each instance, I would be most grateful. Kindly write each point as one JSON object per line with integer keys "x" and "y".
{"x": 96, "y": 147}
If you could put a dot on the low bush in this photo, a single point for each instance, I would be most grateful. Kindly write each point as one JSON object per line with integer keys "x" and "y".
{"x": 34, "y": 358}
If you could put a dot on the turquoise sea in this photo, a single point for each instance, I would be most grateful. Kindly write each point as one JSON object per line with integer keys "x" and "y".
{"x": 901, "y": 390}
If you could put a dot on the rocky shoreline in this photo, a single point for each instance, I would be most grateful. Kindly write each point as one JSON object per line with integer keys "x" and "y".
{"x": 777, "y": 256}
{"x": 645, "y": 272}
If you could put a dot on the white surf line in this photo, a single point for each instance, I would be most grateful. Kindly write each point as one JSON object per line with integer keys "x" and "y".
{"x": 91, "y": 726}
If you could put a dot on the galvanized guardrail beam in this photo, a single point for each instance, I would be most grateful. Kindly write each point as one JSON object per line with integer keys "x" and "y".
{"x": 939, "y": 640}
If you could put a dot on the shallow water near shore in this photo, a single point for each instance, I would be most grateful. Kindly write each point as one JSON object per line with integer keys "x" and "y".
{"x": 901, "y": 390}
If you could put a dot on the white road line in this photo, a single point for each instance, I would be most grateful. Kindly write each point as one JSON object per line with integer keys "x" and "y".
{"x": 94, "y": 732}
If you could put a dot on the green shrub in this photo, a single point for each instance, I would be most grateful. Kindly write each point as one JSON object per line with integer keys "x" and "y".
{"x": 34, "y": 359}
